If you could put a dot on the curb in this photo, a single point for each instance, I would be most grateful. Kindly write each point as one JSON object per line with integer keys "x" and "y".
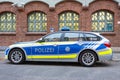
{"x": 116, "y": 57}
{"x": 116, "y": 60}
{"x": 2, "y": 59}
{"x": 1, "y": 51}
{"x": 116, "y": 49}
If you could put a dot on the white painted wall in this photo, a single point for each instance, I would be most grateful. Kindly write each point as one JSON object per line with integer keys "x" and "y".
{"x": 51, "y": 3}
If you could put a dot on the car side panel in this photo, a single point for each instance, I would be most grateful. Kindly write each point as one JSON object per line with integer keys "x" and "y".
{"x": 67, "y": 51}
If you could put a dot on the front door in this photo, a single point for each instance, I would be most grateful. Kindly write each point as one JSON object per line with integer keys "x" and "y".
{"x": 47, "y": 49}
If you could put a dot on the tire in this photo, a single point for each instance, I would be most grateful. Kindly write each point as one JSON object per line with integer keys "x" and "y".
{"x": 87, "y": 58}
{"x": 16, "y": 56}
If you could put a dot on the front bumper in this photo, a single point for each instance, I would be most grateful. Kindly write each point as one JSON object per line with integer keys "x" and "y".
{"x": 6, "y": 53}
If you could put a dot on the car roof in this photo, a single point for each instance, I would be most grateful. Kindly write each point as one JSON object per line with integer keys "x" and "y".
{"x": 78, "y": 32}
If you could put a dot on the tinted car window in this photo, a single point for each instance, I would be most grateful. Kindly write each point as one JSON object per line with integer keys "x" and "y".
{"x": 71, "y": 37}
{"x": 53, "y": 37}
{"x": 81, "y": 37}
{"x": 92, "y": 37}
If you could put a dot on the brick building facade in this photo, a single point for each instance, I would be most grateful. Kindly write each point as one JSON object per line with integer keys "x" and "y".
{"x": 19, "y": 22}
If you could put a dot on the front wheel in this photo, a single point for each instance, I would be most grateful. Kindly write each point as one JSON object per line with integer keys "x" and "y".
{"x": 16, "y": 56}
{"x": 87, "y": 58}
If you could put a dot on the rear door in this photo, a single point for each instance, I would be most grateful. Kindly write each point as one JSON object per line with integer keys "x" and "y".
{"x": 69, "y": 48}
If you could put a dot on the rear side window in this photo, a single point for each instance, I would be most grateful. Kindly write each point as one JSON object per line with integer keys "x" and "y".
{"x": 92, "y": 37}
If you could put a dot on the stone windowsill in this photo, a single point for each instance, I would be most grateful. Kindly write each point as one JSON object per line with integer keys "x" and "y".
{"x": 108, "y": 33}
{"x": 7, "y": 33}
{"x": 36, "y": 33}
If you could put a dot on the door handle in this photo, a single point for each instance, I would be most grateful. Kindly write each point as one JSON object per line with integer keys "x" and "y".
{"x": 55, "y": 45}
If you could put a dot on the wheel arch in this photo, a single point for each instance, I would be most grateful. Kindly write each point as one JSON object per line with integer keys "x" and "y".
{"x": 17, "y": 48}
{"x": 89, "y": 50}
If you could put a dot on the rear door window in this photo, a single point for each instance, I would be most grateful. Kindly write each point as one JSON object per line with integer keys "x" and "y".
{"x": 81, "y": 37}
{"x": 71, "y": 37}
{"x": 56, "y": 37}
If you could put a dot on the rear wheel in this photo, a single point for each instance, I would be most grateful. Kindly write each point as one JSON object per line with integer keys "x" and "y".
{"x": 16, "y": 56}
{"x": 87, "y": 58}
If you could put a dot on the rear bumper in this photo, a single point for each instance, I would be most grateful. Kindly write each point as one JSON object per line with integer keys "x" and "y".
{"x": 105, "y": 55}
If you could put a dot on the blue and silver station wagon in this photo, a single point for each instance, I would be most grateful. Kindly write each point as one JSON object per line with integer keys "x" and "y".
{"x": 63, "y": 46}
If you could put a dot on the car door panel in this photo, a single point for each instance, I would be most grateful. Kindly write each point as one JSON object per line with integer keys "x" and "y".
{"x": 45, "y": 50}
{"x": 48, "y": 48}
{"x": 68, "y": 50}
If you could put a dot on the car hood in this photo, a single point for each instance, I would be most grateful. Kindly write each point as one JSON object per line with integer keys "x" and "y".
{"x": 25, "y": 42}
{"x": 22, "y": 44}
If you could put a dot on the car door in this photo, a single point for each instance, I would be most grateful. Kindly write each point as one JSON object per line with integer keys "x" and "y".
{"x": 70, "y": 47}
{"x": 47, "y": 48}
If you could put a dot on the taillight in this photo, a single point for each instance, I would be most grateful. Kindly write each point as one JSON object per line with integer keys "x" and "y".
{"x": 107, "y": 44}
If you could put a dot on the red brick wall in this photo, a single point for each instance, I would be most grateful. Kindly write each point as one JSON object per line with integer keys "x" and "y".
{"x": 7, "y": 38}
{"x": 110, "y": 6}
{"x": 85, "y": 13}
{"x": 67, "y": 6}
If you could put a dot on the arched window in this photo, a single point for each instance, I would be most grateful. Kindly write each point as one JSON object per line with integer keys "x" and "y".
{"x": 7, "y": 22}
{"x": 69, "y": 19}
{"x": 102, "y": 21}
{"x": 37, "y": 22}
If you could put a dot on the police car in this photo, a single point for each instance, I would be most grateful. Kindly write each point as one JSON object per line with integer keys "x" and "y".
{"x": 65, "y": 46}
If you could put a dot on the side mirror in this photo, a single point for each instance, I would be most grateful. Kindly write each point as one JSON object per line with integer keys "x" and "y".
{"x": 39, "y": 41}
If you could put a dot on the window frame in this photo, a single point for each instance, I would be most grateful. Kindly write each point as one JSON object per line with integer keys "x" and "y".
{"x": 12, "y": 22}
{"x": 105, "y": 21}
{"x": 71, "y": 21}
{"x": 37, "y": 21}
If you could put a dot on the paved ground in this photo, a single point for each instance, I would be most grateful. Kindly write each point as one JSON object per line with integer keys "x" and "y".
{"x": 109, "y": 70}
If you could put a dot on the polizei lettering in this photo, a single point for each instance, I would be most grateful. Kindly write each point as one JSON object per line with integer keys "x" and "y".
{"x": 44, "y": 50}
